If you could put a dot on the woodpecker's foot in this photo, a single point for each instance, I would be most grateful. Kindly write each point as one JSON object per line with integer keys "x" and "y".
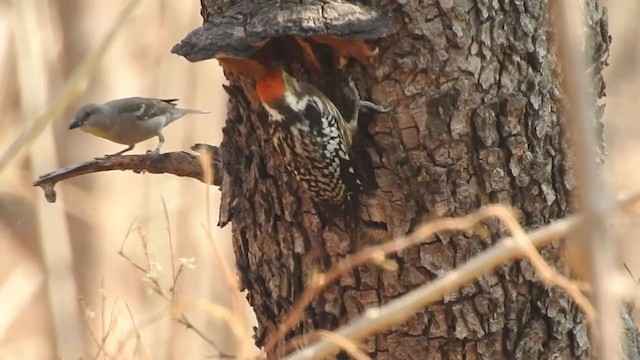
{"x": 375, "y": 107}
{"x": 354, "y": 89}
{"x": 359, "y": 103}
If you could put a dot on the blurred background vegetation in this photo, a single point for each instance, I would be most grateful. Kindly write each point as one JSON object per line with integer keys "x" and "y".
{"x": 78, "y": 237}
{"x": 76, "y": 240}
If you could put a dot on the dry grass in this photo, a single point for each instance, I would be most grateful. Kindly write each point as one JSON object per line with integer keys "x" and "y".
{"x": 140, "y": 299}
{"x": 98, "y": 210}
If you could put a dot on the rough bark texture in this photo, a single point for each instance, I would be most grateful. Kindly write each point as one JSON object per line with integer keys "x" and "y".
{"x": 243, "y": 28}
{"x": 475, "y": 120}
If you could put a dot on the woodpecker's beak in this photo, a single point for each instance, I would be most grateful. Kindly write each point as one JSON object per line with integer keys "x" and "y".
{"x": 75, "y": 123}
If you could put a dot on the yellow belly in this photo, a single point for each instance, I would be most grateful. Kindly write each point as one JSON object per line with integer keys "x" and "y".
{"x": 126, "y": 132}
{"x": 97, "y": 132}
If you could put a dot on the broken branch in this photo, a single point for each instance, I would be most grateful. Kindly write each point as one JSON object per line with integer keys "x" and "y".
{"x": 178, "y": 163}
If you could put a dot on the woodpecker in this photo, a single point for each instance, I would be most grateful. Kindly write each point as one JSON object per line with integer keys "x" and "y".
{"x": 312, "y": 136}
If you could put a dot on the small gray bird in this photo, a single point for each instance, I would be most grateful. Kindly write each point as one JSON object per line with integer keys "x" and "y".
{"x": 129, "y": 121}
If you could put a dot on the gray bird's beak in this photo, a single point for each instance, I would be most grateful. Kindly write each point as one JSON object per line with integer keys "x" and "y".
{"x": 74, "y": 124}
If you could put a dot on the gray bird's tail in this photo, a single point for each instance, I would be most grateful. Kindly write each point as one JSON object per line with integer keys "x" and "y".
{"x": 192, "y": 111}
{"x": 177, "y": 113}
{"x": 183, "y": 111}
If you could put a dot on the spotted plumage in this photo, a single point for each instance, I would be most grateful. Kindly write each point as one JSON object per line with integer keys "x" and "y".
{"x": 311, "y": 135}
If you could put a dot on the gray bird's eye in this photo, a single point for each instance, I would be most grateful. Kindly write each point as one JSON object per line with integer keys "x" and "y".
{"x": 86, "y": 114}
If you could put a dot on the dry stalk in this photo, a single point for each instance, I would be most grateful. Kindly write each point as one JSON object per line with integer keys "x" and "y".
{"x": 153, "y": 280}
{"x": 137, "y": 326}
{"x": 547, "y": 274}
{"x": 400, "y": 309}
{"x": 575, "y": 56}
{"x": 33, "y": 32}
{"x": 424, "y": 231}
{"x": 89, "y": 316}
{"x": 343, "y": 343}
{"x": 139, "y": 345}
{"x": 228, "y": 274}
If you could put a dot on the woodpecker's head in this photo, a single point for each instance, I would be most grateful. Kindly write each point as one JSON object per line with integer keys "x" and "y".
{"x": 276, "y": 88}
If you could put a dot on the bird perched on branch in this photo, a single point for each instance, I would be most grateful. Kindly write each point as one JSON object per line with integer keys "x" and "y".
{"x": 129, "y": 121}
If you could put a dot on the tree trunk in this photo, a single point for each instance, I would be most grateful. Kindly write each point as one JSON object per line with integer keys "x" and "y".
{"x": 475, "y": 120}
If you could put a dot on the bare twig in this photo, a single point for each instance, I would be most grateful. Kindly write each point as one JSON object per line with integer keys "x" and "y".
{"x": 546, "y": 273}
{"x": 152, "y": 277}
{"x": 171, "y": 343}
{"x": 213, "y": 310}
{"x": 139, "y": 345}
{"x": 177, "y": 163}
{"x": 112, "y": 325}
{"x": 575, "y": 55}
{"x": 103, "y": 302}
{"x": 183, "y": 320}
{"x": 135, "y": 330}
{"x": 227, "y": 356}
{"x": 125, "y": 256}
{"x": 88, "y": 318}
{"x": 377, "y": 254}
{"x": 399, "y": 310}
{"x": 345, "y": 344}
{"x": 174, "y": 278}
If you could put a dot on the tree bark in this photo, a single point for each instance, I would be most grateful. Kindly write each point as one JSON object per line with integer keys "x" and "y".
{"x": 476, "y": 119}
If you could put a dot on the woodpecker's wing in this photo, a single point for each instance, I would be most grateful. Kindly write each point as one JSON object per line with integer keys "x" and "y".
{"x": 331, "y": 111}
{"x": 140, "y": 108}
{"x": 335, "y": 137}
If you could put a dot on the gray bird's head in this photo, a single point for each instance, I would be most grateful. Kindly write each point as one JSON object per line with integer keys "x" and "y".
{"x": 85, "y": 115}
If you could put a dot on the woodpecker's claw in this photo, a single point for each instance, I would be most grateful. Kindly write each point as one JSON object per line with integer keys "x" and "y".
{"x": 364, "y": 103}
{"x": 375, "y": 107}
{"x": 354, "y": 89}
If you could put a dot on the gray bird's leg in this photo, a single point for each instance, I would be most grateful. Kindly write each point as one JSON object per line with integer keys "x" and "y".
{"x": 157, "y": 150}
{"x": 359, "y": 103}
{"x": 130, "y": 147}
